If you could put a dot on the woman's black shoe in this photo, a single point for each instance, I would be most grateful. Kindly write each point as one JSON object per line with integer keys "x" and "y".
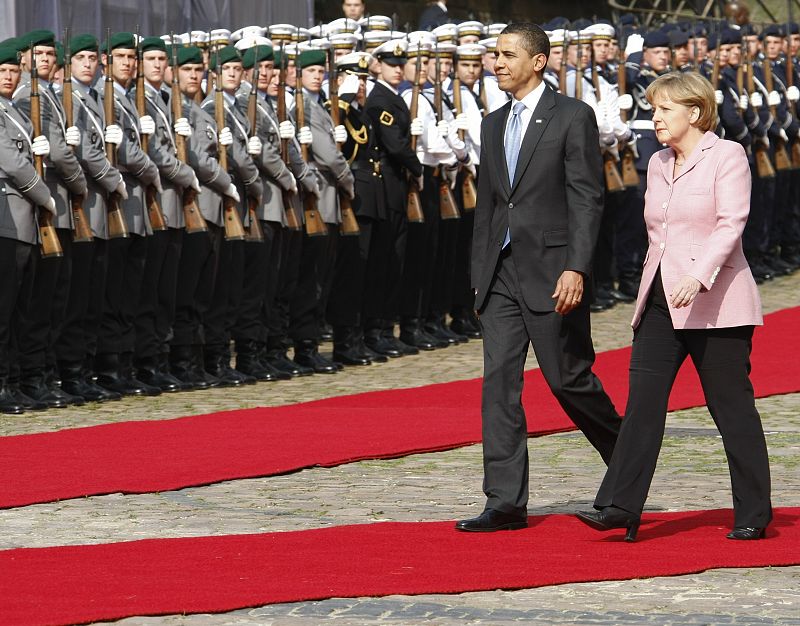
{"x": 611, "y": 517}
{"x": 744, "y": 532}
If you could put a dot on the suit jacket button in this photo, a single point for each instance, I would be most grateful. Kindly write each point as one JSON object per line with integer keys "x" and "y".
{"x": 510, "y": 205}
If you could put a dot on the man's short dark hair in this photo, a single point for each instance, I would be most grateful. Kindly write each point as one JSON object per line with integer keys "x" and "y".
{"x": 533, "y": 39}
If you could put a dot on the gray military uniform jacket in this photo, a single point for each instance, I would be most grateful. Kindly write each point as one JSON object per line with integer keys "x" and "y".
{"x": 175, "y": 176}
{"x": 241, "y": 164}
{"x": 275, "y": 174}
{"x": 21, "y": 189}
{"x": 138, "y": 171}
{"x": 63, "y": 174}
{"x": 325, "y": 159}
{"x": 203, "y": 150}
{"x": 101, "y": 177}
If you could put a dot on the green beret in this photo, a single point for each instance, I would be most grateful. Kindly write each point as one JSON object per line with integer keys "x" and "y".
{"x": 9, "y": 55}
{"x": 190, "y": 55}
{"x": 256, "y": 54}
{"x": 222, "y": 56}
{"x": 81, "y": 43}
{"x": 37, "y": 38}
{"x": 59, "y": 54}
{"x": 308, "y": 58}
{"x": 121, "y": 40}
{"x": 149, "y": 44}
{"x": 11, "y": 42}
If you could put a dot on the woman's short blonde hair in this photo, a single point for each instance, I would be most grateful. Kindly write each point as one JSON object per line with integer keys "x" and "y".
{"x": 689, "y": 89}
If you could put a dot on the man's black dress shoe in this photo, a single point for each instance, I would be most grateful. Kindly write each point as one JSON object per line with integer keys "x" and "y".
{"x": 747, "y": 533}
{"x": 491, "y": 520}
{"x": 611, "y": 517}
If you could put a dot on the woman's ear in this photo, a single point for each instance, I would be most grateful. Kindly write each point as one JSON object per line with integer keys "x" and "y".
{"x": 694, "y": 115}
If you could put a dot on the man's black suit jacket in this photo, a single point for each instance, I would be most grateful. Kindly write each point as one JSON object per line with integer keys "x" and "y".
{"x": 432, "y": 17}
{"x": 554, "y": 205}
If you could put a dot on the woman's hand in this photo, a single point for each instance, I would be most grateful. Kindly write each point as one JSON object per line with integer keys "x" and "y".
{"x": 684, "y": 292}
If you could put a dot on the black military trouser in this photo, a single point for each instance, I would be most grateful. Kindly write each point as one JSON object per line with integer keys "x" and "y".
{"x": 317, "y": 255}
{"x": 630, "y": 242}
{"x": 290, "y": 249}
{"x": 347, "y": 295}
{"x": 463, "y": 301}
{"x": 249, "y": 325}
{"x": 755, "y": 239}
{"x": 18, "y": 262}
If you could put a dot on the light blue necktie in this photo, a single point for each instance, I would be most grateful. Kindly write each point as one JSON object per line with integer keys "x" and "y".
{"x": 513, "y": 139}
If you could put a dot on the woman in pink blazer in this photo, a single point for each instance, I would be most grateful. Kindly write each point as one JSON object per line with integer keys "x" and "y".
{"x": 697, "y": 298}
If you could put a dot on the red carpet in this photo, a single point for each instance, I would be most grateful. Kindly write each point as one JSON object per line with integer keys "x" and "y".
{"x": 80, "y": 584}
{"x": 142, "y": 457}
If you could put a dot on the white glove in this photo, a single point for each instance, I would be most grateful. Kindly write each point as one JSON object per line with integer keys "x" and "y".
{"x": 195, "y": 184}
{"x": 40, "y": 146}
{"x": 744, "y": 103}
{"x": 231, "y": 192}
{"x": 254, "y": 146}
{"x": 635, "y": 43}
{"x": 451, "y": 174}
{"x": 773, "y": 99}
{"x": 793, "y": 93}
{"x": 462, "y": 121}
{"x": 286, "y": 130}
{"x": 348, "y": 187}
{"x": 225, "y": 137}
{"x": 146, "y": 125}
{"x": 50, "y": 205}
{"x": 443, "y": 128}
{"x": 420, "y": 180}
{"x": 416, "y": 128}
{"x": 756, "y": 100}
{"x": 72, "y": 136}
{"x": 121, "y": 190}
{"x": 784, "y": 136}
{"x": 632, "y": 145}
{"x": 625, "y": 102}
{"x": 113, "y": 134}
{"x": 157, "y": 185}
{"x": 764, "y": 140}
{"x": 718, "y": 97}
{"x": 316, "y": 191}
{"x": 471, "y": 169}
{"x": 340, "y": 134}
{"x": 182, "y": 127}
{"x": 292, "y": 184}
{"x": 304, "y": 136}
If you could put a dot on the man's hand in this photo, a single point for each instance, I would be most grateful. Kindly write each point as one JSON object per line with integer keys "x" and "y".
{"x": 684, "y": 292}
{"x": 569, "y": 291}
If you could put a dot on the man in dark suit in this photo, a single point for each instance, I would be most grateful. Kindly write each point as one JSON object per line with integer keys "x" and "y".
{"x": 435, "y": 14}
{"x": 540, "y": 198}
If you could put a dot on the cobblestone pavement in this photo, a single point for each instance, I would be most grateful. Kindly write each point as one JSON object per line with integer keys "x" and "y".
{"x": 565, "y": 472}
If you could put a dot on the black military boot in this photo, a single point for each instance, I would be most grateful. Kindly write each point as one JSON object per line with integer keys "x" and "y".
{"x": 307, "y": 354}
{"x": 437, "y": 329}
{"x": 247, "y": 361}
{"x": 345, "y": 346}
{"x": 412, "y": 334}
{"x": 128, "y": 374}
{"x": 8, "y": 403}
{"x": 35, "y": 388}
{"x": 149, "y": 373}
{"x": 182, "y": 367}
{"x": 277, "y": 358}
{"x": 107, "y": 368}
{"x": 76, "y": 381}
{"x": 217, "y": 364}
{"x": 262, "y": 354}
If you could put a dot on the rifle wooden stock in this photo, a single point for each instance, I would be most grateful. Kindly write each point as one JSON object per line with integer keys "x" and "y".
{"x": 81, "y": 228}
{"x": 782, "y": 160}
{"x": 292, "y": 219}
{"x": 414, "y": 213}
{"x": 117, "y": 226}
{"x": 315, "y": 226}
{"x": 50, "y": 245}
{"x": 469, "y": 194}
{"x": 562, "y": 70}
{"x": 630, "y": 177}
{"x": 234, "y": 230}
{"x": 764, "y": 168}
{"x": 349, "y": 225}
{"x": 253, "y": 232}
{"x": 154, "y": 212}
{"x": 448, "y": 209}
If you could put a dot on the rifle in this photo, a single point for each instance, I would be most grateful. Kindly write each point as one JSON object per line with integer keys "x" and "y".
{"x": 315, "y": 227}
{"x": 117, "y": 226}
{"x": 782, "y": 161}
{"x": 468, "y": 191}
{"x": 630, "y": 177}
{"x": 613, "y": 179}
{"x": 764, "y": 167}
{"x": 292, "y": 220}
{"x": 81, "y": 229}
{"x": 795, "y": 144}
{"x": 578, "y": 69}
{"x": 192, "y": 217}
{"x": 254, "y": 232}
{"x": 414, "y": 212}
{"x": 349, "y": 221}
{"x": 157, "y": 221}
{"x": 482, "y": 95}
{"x": 50, "y": 245}
{"x": 562, "y": 70}
{"x": 234, "y": 231}
{"x": 448, "y": 209}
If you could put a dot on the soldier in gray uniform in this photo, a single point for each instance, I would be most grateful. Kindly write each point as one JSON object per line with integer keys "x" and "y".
{"x": 126, "y": 256}
{"x": 63, "y": 177}
{"x": 197, "y": 269}
{"x": 77, "y": 342}
{"x": 23, "y": 191}
{"x": 319, "y": 253}
{"x": 156, "y": 311}
{"x": 219, "y": 320}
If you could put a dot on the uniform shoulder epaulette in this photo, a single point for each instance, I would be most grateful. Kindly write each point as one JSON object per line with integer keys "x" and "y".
{"x": 344, "y": 105}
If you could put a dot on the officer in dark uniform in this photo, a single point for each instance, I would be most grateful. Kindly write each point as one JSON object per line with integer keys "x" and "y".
{"x": 349, "y": 295}
{"x": 390, "y": 119}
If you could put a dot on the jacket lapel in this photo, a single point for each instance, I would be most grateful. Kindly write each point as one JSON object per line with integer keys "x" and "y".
{"x": 697, "y": 155}
{"x": 539, "y": 121}
{"x": 497, "y": 132}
